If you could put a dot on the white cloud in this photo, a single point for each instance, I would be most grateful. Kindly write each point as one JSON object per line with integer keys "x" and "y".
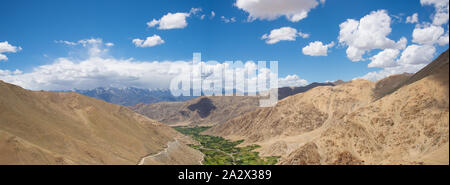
{"x": 149, "y": 41}
{"x": 213, "y": 14}
{"x": 293, "y": 10}
{"x": 5, "y": 47}
{"x": 170, "y": 21}
{"x": 412, "y": 59}
{"x": 66, "y": 42}
{"x": 317, "y": 48}
{"x": 291, "y": 81}
{"x": 443, "y": 40}
{"x": 416, "y": 54}
{"x": 153, "y": 23}
{"x": 428, "y": 34}
{"x": 413, "y": 18}
{"x": 3, "y": 57}
{"x": 173, "y": 20}
{"x": 385, "y": 58}
{"x": 369, "y": 33}
{"x": 195, "y": 11}
{"x": 378, "y": 75}
{"x": 441, "y": 10}
{"x": 283, "y": 34}
{"x": 95, "y": 46}
{"x": 102, "y": 70}
{"x": 228, "y": 20}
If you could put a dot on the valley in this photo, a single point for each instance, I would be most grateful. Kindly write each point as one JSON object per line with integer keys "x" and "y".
{"x": 220, "y": 151}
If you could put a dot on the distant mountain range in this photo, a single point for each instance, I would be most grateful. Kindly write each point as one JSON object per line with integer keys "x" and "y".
{"x": 130, "y": 96}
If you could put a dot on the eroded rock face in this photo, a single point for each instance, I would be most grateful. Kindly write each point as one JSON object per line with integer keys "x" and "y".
{"x": 305, "y": 155}
{"x": 346, "y": 158}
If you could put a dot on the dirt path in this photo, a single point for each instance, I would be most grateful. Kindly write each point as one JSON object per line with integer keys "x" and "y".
{"x": 169, "y": 144}
{"x": 173, "y": 148}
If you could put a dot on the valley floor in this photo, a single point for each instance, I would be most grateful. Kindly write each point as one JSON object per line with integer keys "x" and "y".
{"x": 219, "y": 151}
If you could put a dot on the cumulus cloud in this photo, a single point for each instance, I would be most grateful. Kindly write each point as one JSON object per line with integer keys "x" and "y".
{"x": 173, "y": 20}
{"x": 369, "y": 33}
{"x": 427, "y": 34}
{"x": 413, "y": 18}
{"x": 170, "y": 21}
{"x": 416, "y": 54}
{"x": 291, "y": 81}
{"x": 378, "y": 75}
{"x": 441, "y": 10}
{"x": 386, "y": 58}
{"x": 148, "y": 42}
{"x": 213, "y": 14}
{"x": 5, "y": 47}
{"x": 293, "y": 10}
{"x": 103, "y": 70}
{"x": 443, "y": 40}
{"x": 425, "y": 37}
{"x": 317, "y": 48}
{"x": 412, "y": 59}
{"x": 283, "y": 34}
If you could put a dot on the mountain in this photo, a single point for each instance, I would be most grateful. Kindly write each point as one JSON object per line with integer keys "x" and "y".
{"x": 130, "y": 96}
{"x": 210, "y": 110}
{"x": 38, "y": 127}
{"x": 199, "y": 111}
{"x": 398, "y": 120}
{"x": 289, "y": 91}
{"x": 390, "y": 84}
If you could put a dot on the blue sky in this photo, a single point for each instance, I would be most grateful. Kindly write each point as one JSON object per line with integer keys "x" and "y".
{"x": 37, "y": 26}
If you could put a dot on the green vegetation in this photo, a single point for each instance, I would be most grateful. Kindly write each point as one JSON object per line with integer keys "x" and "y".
{"x": 219, "y": 151}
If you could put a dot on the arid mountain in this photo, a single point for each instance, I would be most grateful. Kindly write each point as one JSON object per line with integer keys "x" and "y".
{"x": 390, "y": 84}
{"x": 359, "y": 122}
{"x": 289, "y": 91}
{"x": 200, "y": 111}
{"x": 210, "y": 110}
{"x": 39, "y": 127}
{"x": 131, "y": 96}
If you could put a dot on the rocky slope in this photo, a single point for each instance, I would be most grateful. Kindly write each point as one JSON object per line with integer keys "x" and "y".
{"x": 39, "y": 127}
{"x": 353, "y": 123}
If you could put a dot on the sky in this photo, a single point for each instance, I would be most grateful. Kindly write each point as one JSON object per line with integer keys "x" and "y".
{"x": 84, "y": 44}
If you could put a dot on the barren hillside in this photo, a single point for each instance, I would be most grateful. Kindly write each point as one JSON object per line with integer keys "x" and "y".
{"x": 350, "y": 124}
{"x": 199, "y": 111}
{"x": 68, "y": 128}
